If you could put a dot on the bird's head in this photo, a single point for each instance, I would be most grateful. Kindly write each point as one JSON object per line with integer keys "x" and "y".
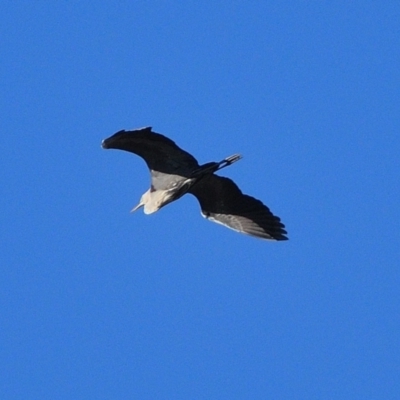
{"x": 149, "y": 201}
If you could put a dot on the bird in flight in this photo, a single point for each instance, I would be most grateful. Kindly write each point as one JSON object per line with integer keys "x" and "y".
{"x": 174, "y": 172}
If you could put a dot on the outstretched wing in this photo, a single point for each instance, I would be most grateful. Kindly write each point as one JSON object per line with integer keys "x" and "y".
{"x": 223, "y": 202}
{"x": 160, "y": 153}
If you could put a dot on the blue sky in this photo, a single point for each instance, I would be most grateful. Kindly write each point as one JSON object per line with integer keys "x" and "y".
{"x": 97, "y": 303}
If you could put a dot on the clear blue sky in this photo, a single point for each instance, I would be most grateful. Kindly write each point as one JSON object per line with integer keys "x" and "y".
{"x": 98, "y": 303}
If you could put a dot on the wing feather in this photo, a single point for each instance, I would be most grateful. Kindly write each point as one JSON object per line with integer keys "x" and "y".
{"x": 223, "y": 202}
{"x": 160, "y": 153}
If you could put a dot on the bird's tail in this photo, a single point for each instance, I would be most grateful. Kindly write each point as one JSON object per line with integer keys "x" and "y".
{"x": 229, "y": 160}
{"x": 212, "y": 167}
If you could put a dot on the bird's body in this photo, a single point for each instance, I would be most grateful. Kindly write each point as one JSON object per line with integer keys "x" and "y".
{"x": 174, "y": 172}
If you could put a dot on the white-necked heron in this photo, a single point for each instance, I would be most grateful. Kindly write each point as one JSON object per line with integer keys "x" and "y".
{"x": 174, "y": 172}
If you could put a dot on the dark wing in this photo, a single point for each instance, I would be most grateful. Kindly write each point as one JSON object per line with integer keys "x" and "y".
{"x": 160, "y": 153}
{"x": 223, "y": 202}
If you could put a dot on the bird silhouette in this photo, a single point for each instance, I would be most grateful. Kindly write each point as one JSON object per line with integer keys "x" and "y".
{"x": 174, "y": 172}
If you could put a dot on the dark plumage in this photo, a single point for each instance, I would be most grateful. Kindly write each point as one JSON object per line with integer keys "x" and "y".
{"x": 174, "y": 172}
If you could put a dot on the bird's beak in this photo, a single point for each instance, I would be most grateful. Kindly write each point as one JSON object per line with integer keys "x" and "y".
{"x": 137, "y": 207}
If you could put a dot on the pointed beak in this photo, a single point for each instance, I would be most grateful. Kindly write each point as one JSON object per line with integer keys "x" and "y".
{"x": 137, "y": 207}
